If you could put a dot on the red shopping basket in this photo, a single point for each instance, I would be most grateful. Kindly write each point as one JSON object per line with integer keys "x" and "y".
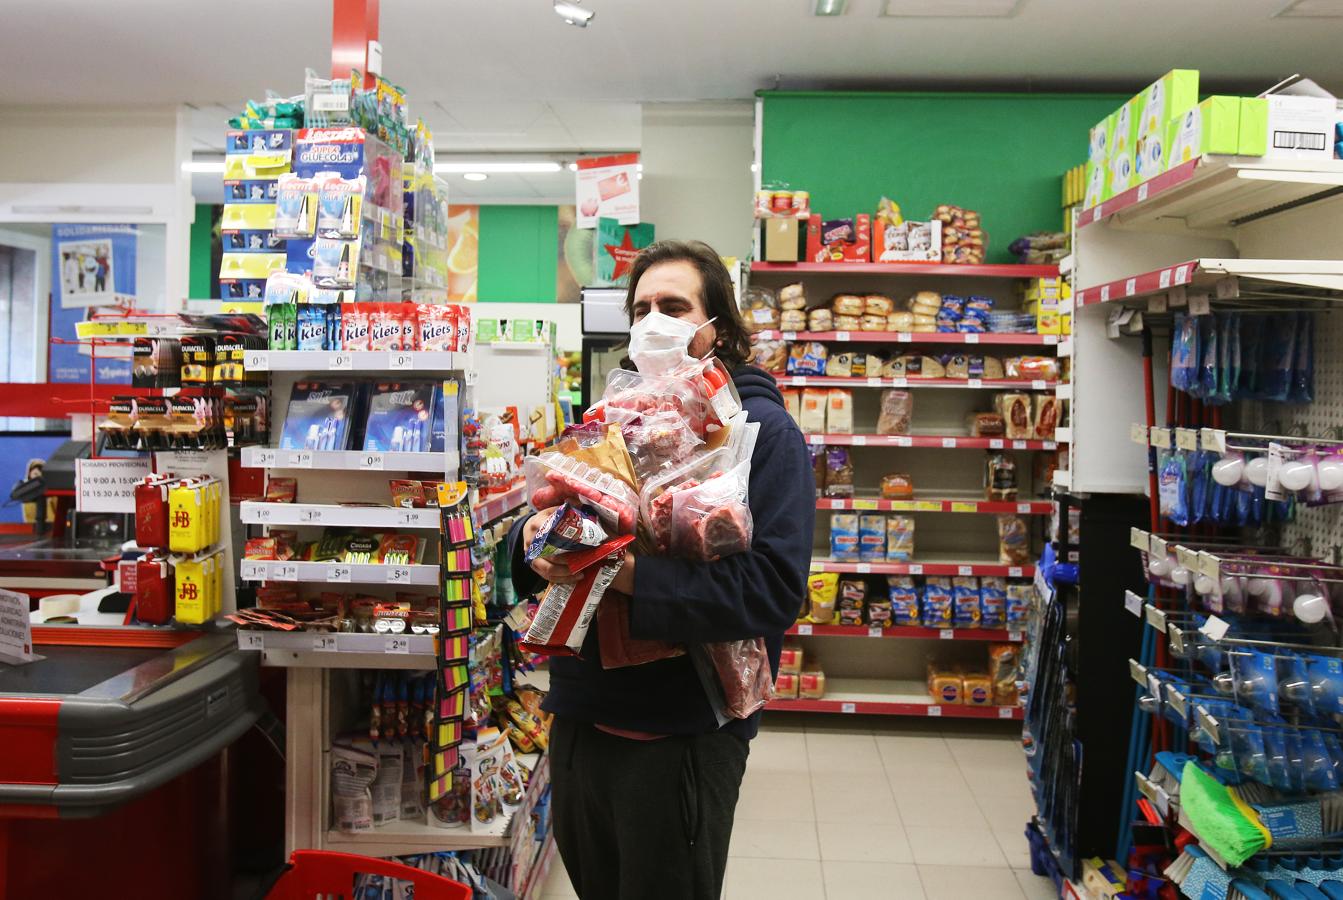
{"x": 324, "y": 875}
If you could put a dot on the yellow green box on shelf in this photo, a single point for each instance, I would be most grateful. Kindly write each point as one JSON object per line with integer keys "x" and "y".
{"x": 1168, "y": 97}
{"x": 1211, "y": 127}
{"x": 1253, "y": 137}
{"x": 1123, "y": 139}
{"x": 1098, "y": 162}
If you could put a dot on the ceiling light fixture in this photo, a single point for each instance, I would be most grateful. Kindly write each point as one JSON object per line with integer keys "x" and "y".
{"x": 950, "y": 9}
{"x": 573, "y": 14}
{"x": 830, "y": 7}
{"x": 204, "y": 167}
{"x": 573, "y": 167}
{"x": 498, "y": 168}
{"x": 474, "y": 176}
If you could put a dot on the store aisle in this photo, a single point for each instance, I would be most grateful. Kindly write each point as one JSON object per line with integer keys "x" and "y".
{"x": 865, "y": 807}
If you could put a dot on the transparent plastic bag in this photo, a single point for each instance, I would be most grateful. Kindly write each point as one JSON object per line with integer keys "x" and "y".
{"x": 659, "y": 441}
{"x": 711, "y": 520}
{"x": 630, "y": 394}
{"x": 655, "y": 498}
{"x": 553, "y": 478}
{"x": 736, "y": 676}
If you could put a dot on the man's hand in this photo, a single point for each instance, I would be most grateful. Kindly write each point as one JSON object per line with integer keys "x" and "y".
{"x": 554, "y": 572}
{"x": 624, "y": 580}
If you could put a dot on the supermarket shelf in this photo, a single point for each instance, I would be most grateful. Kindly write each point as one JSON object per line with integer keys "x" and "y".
{"x": 1214, "y": 192}
{"x": 871, "y": 696}
{"x": 991, "y": 384}
{"x": 354, "y": 361}
{"x": 337, "y": 573}
{"x": 1024, "y": 507}
{"x": 254, "y": 512}
{"x": 1009, "y": 270}
{"x": 1238, "y": 280}
{"x": 348, "y": 460}
{"x": 497, "y": 506}
{"x": 926, "y": 566}
{"x": 951, "y": 442}
{"x": 907, "y": 632}
{"x": 906, "y": 337}
{"x": 338, "y": 650}
{"x": 518, "y": 346}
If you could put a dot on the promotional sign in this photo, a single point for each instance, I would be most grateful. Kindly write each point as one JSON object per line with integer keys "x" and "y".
{"x": 92, "y": 266}
{"x": 615, "y": 249}
{"x": 608, "y": 187}
{"x": 16, "y": 630}
{"x": 463, "y": 253}
{"x": 108, "y": 485}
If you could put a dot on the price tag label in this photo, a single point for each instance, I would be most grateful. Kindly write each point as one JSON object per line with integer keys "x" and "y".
{"x": 860, "y": 440}
{"x": 260, "y": 513}
{"x": 863, "y": 568}
{"x": 790, "y": 335}
{"x": 1105, "y": 293}
{"x": 1130, "y": 287}
{"x": 964, "y": 507}
{"x": 874, "y": 631}
{"x": 1215, "y": 628}
{"x": 1142, "y": 192}
{"x": 265, "y": 458}
{"x": 1018, "y": 445}
{"x": 900, "y": 382}
{"x": 947, "y": 634}
{"x": 1039, "y": 384}
{"x": 965, "y": 570}
{"x": 934, "y": 710}
{"x": 398, "y": 575}
{"x": 1156, "y": 303}
{"x": 904, "y": 441}
{"x": 299, "y": 459}
{"x": 397, "y": 643}
{"x": 816, "y": 439}
{"x": 1097, "y": 212}
{"x": 1005, "y": 712}
{"x": 1214, "y": 439}
{"x": 1137, "y": 433}
{"x": 256, "y": 361}
{"x": 252, "y": 640}
{"x": 253, "y": 571}
{"x": 311, "y": 515}
{"x": 372, "y": 459}
{"x": 1228, "y": 288}
{"x": 340, "y": 362}
{"x": 848, "y": 707}
{"x": 859, "y": 504}
{"x": 325, "y": 643}
{"x": 401, "y": 360}
{"x": 1014, "y": 635}
{"x": 1023, "y": 507}
{"x": 284, "y": 572}
{"x": 1200, "y": 304}
{"x": 904, "y": 337}
{"x": 408, "y": 517}
{"x": 841, "y": 335}
{"x": 1163, "y": 279}
{"x": 338, "y": 572}
{"x": 1182, "y": 274}
{"x": 1015, "y": 572}
{"x": 1160, "y": 437}
{"x": 1133, "y": 603}
{"x": 804, "y": 630}
{"x": 915, "y": 569}
{"x": 976, "y": 382}
{"x": 948, "y": 442}
{"x": 798, "y": 380}
{"x": 996, "y": 443}
{"x": 1186, "y": 438}
{"x": 875, "y": 381}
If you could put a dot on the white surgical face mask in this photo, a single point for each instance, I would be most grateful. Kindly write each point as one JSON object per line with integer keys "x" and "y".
{"x": 660, "y": 343}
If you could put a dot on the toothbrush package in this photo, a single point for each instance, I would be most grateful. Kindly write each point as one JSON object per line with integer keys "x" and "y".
{"x": 319, "y": 416}
{"x": 400, "y": 416}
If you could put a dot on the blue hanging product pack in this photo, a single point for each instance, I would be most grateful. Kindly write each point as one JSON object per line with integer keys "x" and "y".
{"x": 1199, "y": 469}
{"x": 1303, "y": 365}
{"x": 1184, "y": 358}
{"x": 1277, "y": 357}
{"x": 1251, "y": 340}
{"x": 1209, "y": 359}
{"x": 1172, "y": 486}
{"x": 1228, "y": 351}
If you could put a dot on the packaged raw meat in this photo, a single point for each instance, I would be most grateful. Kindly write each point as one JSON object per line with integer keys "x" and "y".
{"x": 711, "y": 520}
{"x": 740, "y": 672}
{"x": 656, "y": 497}
{"x": 897, "y": 408}
{"x": 658, "y": 441}
{"x": 629, "y": 394}
{"x": 618, "y": 648}
{"x": 553, "y": 478}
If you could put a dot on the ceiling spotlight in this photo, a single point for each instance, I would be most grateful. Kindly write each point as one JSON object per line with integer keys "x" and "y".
{"x": 573, "y": 167}
{"x": 573, "y": 14}
{"x": 475, "y": 176}
{"x": 830, "y": 7}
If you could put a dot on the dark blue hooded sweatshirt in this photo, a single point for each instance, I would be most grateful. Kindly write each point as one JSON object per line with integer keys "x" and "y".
{"x": 746, "y": 595}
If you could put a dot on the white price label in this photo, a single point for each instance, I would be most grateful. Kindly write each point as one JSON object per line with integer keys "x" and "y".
{"x": 299, "y": 459}
{"x": 1163, "y": 279}
{"x": 996, "y": 443}
{"x": 1023, "y": 507}
{"x": 1137, "y": 433}
{"x": 848, "y": 707}
{"x": 1133, "y": 603}
{"x": 1004, "y": 712}
{"x": 340, "y": 362}
{"x": 1014, "y": 572}
{"x": 311, "y": 515}
{"x": 841, "y": 335}
{"x": 325, "y": 643}
{"x": 256, "y": 362}
{"x": 972, "y": 338}
{"x": 1038, "y": 384}
{"x": 874, "y": 631}
{"x": 790, "y": 335}
{"x": 1156, "y": 303}
{"x": 903, "y": 441}
{"x": 338, "y": 572}
{"x": 252, "y": 640}
{"x": 1182, "y": 274}
{"x": 976, "y": 382}
{"x": 948, "y": 442}
{"x": 915, "y": 569}
{"x": 947, "y": 634}
{"x": 1160, "y": 437}
{"x": 1200, "y": 304}
{"x": 934, "y": 710}
{"x": 860, "y": 440}
{"x": 1215, "y": 628}
{"x": 397, "y": 643}
{"x": 965, "y": 570}
{"x": 1142, "y": 192}
{"x": 372, "y": 459}
{"x": 1014, "y": 635}
{"x": 900, "y": 382}
{"x": 253, "y": 571}
{"x": 1186, "y": 438}
{"x": 401, "y": 360}
{"x": 284, "y": 572}
{"x": 798, "y": 380}
{"x": 904, "y": 337}
{"x": 804, "y": 630}
{"x": 408, "y": 517}
{"x": 1130, "y": 287}
{"x": 815, "y": 439}
{"x": 863, "y": 568}
{"x": 261, "y": 513}
{"x": 398, "y": 575}
{"x": 1018, "y": 445}
{"x": 1105, "y": 293}
{"x": 265, "y": 458}
{"x": 874, "y": 381}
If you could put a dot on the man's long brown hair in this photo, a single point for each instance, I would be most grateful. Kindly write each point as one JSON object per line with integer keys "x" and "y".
{"x": 733, "y": 345}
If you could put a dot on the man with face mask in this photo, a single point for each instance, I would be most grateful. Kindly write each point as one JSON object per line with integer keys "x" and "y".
{"x": 645, "y": 782}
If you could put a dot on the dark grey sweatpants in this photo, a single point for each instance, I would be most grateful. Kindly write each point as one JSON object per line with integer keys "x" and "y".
{"x": 644, "y": 820}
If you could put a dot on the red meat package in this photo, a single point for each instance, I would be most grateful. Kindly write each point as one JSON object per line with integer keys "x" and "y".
{"x": 658, "y": 441}
{"x": 735, "y": 675}
{"x": 629, "y": 394}
{"x": 565, "y": 611}
{"x": 553, "y": 479}
{"x": 618, "y": 648}
{"x": 711, "y": 520}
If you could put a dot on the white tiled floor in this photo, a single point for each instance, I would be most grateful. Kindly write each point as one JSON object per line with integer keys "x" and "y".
{"x": 850, "y": 808}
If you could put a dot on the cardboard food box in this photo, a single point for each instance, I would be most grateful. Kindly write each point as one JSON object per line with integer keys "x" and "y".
{"x": 784, "y": 239}
{"x": 910, "y": 242}
{"x": 857, "y": 250}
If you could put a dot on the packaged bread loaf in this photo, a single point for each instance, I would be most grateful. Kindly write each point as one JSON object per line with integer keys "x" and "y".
{"x": 791, "y": 296}
{"x": 874, "y": 362}
{"x": 964, "y": 365}
{"x": 977, "y": 689}
{"x": 848, "y": 323}
{"x": 813, "y": 410}
{"x": 900, "y": 321}
{"x": 859, "y": 367}
{"x": 923, "y": 328}
{"x": 839, "y": 411}
{"x": 1031, "y": 368}
{"x": 926, "y": 302}
{"x": 897, "y": 408}
{"x": 926, "y": 319}
{"x": 811, "y": 685}
{"x": 838, "y": 473}
{"x": 1017, "y": 417}
{"x": 848, "y": 305}
{"x": 1046, "y": 416}
{"x": 873, "y": 323}
{"x": 818, "y": 468}
{"x": 878, "y": 305}
{"x": 807, "y": 358}
{"x": 840, "y": 365}
{"x": 1000, "y": 477}
{"x": 897, "y": 486}
{"x": 1014, "y": 541}
{"x": 945, "y": 686}
{"x": 820, "y": 320}
{"x": 760, "y": 308}
{"x": 914, "y": 365}
{"x": 772, "y": 356}
{"x": 793, "y": 320}
{"x": 792, "y": 402}
{"x": 985, "y": 424}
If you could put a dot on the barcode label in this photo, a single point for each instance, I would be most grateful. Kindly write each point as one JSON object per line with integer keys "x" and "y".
{"x": 1004, "y": 712}
{"x": 1298, "y": 140}
{"x": 804, "y": 630}
{"x": 934, "y": 710}
{"x": 848, "y": 707}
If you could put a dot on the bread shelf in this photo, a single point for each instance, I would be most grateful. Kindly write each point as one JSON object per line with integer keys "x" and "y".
{"x": 987, "y": 384}
{"x": 905, "y": 632}
{"x": 895, "y": 270}
{"x": 907, "y": 337}
{"x": 949, "y": 442}
{"x": 1010, "y": 507}
{"x": 871, "y": 696}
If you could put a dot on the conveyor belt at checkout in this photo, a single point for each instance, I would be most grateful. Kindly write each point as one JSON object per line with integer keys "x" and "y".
{"x": 89, "y": 728}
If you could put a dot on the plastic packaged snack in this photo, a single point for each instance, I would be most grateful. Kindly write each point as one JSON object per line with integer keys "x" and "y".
{"x": 793, "y": 320}
{"x": 1014, "y": 541}
{"x": 904, "y": 599}
{"x": 848, "y": 305}
{"x": 985, "y": 424}
{"x": 872, "y": 537}
{"x": 879, "y": 613}
{"x": 936, "y": 603}
{"x": 897, "y": 486}
{"x": 1016, "y": 412}
{"x": 993, "y": 602}
{"x": 807, "y": 358}
{"x": 814, "y": 402}
{"x": 553, "y": 478}
{"x": 759, "y": 308}
{"x": 900, "y": 538}
{"x": 820, "y": 320}
{"x": 568, "y": 528}
{"x": 838, "y": 473}
{"x": 566, "y": 610}
{"x": 844, "y": 537}
{"x": 897, "y": 408}
{"x": 822, "y": 592}
{"x": 1000, "y": 477}
{"x": 966, "y": 612}
{"x": 772, "y": 356}
{"x": 852, "y": 600}
{"x": 792, "y": 296}
{"x": 839, "y": 411}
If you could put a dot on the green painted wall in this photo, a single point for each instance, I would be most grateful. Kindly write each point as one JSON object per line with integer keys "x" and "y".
{"x": 518, "y": 253}
{"x": 202, "y": 244}
{"x": 1000, "y": 154}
